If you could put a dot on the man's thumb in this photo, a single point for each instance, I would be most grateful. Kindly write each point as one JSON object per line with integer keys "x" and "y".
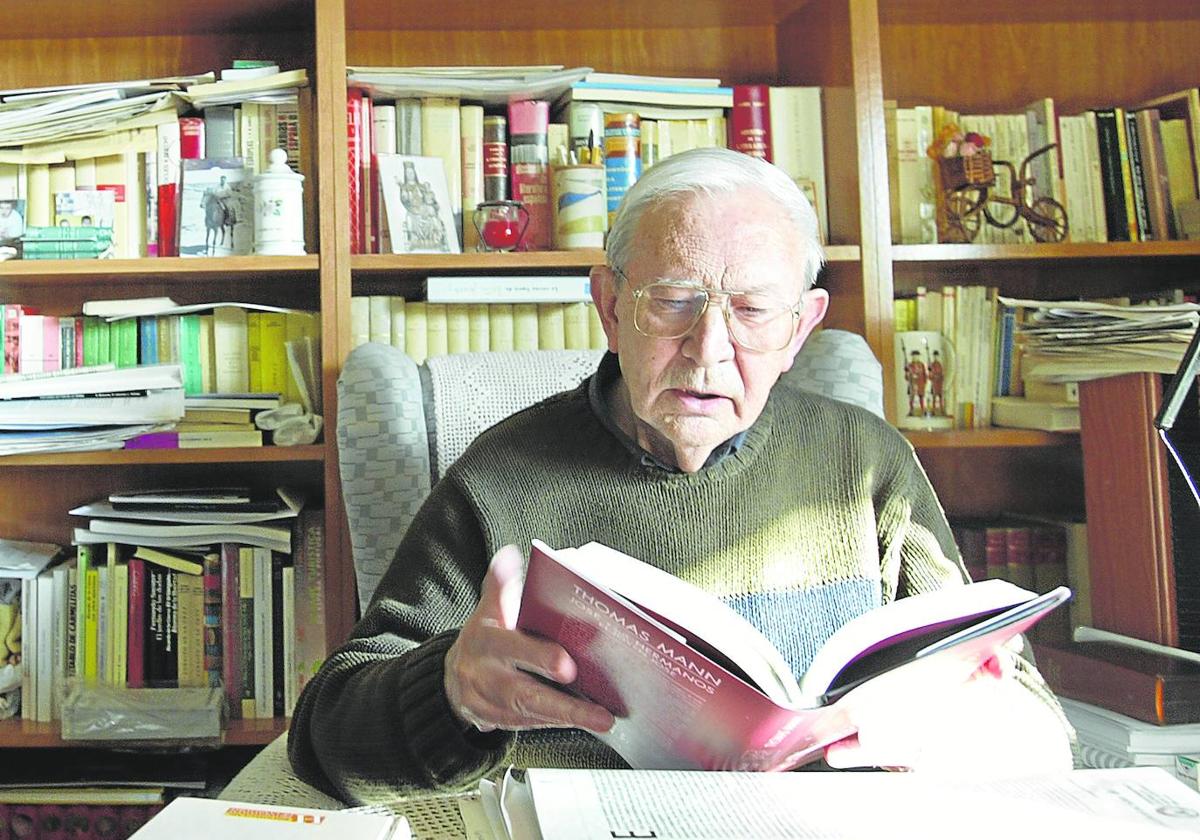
{"x": 501, "y": 594}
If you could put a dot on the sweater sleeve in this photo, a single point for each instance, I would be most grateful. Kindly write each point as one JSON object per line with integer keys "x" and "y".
{"x": 375, "y": 721}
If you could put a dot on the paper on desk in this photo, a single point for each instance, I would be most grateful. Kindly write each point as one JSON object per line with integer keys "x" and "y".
{"x": 687, "y": 805}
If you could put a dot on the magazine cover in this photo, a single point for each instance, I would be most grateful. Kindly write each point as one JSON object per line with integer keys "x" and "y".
{"x": 215, "y": 208}
{"x": 417, "y": 205}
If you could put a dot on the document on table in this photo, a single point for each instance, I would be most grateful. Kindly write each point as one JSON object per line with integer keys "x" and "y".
{"x": 545, "y": 804}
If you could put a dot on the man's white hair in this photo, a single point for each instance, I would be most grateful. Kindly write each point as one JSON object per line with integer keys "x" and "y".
{"x": 714, "y": 172}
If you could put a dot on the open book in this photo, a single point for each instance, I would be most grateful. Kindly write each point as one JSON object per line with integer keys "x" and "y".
{"x": 693, "y": 685}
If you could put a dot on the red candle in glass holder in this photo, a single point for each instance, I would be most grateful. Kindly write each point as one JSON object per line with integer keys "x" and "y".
{"x": 501, "y": 234}
{"x": 501, "y": 224}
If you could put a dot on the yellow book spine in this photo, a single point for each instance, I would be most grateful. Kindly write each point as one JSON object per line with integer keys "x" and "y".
{"x": 551, "y": 329}
{"x": 500, "y": 326}
{"x": 91, "y": 626}
{"x": 276, "y": 376}
{"x": 441, "y": 137}
{"x": 230, "y": 350}
{"x": 525, "y": 326}
{"x": 479, "y": 335}
{"x": 397, "y": 307}
{"x": 379, "y": 319}
{"x": 1126, "y": 177}
{"x": 360, "y": 320}
{"x": 246, "y": 626}
{"x": 458, "y": 328}
{"x": 416, "y": 338}
{"x": 575, "y": 326}
{"x": 436, "y": 333}
{"x": 208, "y": 359}
{"x": 39, "y": 203}
{"x": 190, "y": 626}
{"x": 254, "y": 350}
{"x": 120, "y": 614}
{"x": 471, "y": 117}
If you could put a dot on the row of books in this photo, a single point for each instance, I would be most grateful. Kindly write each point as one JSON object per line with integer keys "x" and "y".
{"x": 1123, "y": 173}
{"x": 422, "y": 329}
{"x": 179, "y": 604}
{"x": 222, "y": 348}
{"x": 1016, "y": 362}
{"x": 176, "y": 180}
{"x": 81, "y": 820}
{"x": 1035, "y": 553}
{"x": 495, "y": 151}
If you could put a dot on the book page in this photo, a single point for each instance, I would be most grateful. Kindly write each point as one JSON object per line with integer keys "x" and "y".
{"x": 679, "y": 805}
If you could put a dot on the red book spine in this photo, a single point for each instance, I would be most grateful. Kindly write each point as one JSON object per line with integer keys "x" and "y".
{"x": 79, "y": 341}
{"x": 750, "y": 121}
{"x": 167, "y": 221}
{"x": 368, "y": 212}
{"x": 529, "y": 161}
{"x": 231, "y": 634}
{"x": 135, "y": 651}
{"x": 354, "y": 150}
{"x": 191, "y": 137}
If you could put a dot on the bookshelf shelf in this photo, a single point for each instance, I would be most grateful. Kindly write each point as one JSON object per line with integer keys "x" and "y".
{"x": 140, "y": 457}
{"x": 994, "y": 438}
{"x": 1043, "y": 252}
{"x": 16, "y": 732}
{"x": 183, "y": 269}
{"x": 499, "y": 262}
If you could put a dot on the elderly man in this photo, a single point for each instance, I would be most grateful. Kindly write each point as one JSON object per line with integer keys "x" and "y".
{"x": 800, "y": 512}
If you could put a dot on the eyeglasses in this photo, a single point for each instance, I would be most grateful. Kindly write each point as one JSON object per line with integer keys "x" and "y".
{"x": 671, "y": 309}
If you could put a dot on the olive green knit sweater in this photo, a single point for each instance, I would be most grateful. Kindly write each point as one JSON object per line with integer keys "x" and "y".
{"x": 820, "y": 514}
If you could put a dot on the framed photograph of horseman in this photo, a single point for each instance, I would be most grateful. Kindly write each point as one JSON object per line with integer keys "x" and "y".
{"x": 216, "y": 204}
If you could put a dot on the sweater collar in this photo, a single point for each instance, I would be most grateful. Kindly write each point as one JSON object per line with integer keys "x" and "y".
{"x": 599, "y": 386}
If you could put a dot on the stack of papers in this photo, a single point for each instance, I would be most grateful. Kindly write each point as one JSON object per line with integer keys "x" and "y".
{"x": 192, "y": 518}
{"x": 486, "y": 85}
{"x": 85, "y": 409}
{"x": 275, "y": 87}
{"x": 1072, "y": 341}
{"x": 39, "y": 115}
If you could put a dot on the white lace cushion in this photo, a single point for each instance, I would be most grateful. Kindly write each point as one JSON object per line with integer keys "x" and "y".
{"x": 839, "y": 364}
{"x": 474, "y": 391}
{"x": 383, "y": 455}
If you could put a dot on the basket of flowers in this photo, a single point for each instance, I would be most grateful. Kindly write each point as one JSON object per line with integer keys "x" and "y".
{"x": 964, "y": 159}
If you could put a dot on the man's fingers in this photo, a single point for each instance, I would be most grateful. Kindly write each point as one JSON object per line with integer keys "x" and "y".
{"x": 523, "y": 702}
{"x": 500, "y": 597}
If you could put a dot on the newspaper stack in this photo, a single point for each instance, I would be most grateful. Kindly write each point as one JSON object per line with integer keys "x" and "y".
{"x": 1073, "y": 341}
{"x": 88, "y": 408}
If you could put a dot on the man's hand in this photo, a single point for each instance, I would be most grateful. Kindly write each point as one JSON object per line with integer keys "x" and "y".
{"x": 987, "y": 725}
{"x": 489, "y": 669}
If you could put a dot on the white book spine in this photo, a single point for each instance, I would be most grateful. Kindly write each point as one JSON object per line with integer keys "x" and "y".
{"x": 263, "y": 636}
{"x": 509, "y": 289}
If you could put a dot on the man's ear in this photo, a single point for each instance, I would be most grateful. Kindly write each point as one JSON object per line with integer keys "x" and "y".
{"x": 605, "y": 290}
{"x": 816, "y": 303}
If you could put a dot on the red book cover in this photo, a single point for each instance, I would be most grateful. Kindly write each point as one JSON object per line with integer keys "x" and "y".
{"x": 1143, "y": 684}
{"x": 354, "y": 148}
{"x": 79, "y": 328}
{"x": 529, "y": 163}
{"x": 167, "y": 220}
{"x": 231, "y": 629}
{"x": 191, "y": 137}
{"x": 135, "y": 651}
{"x": 154, "y": 440}
{"x": 693, "y": 685}
{"x": 750, "y": 121}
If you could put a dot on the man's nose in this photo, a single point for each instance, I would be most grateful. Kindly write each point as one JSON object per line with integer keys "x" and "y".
{"x": 710, "y": 339}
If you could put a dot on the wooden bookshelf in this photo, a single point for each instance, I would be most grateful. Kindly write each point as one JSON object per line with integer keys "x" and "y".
{"x": 16, "y": 732}
{"x": 986, "y": 57}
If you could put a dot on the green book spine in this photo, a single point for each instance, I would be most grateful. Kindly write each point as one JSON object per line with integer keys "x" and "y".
{"x": 127, "y": 342}
{"x": 189, "y": 354}
{"x": 91, "y": 346}
{"x": 103, "y": 341}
